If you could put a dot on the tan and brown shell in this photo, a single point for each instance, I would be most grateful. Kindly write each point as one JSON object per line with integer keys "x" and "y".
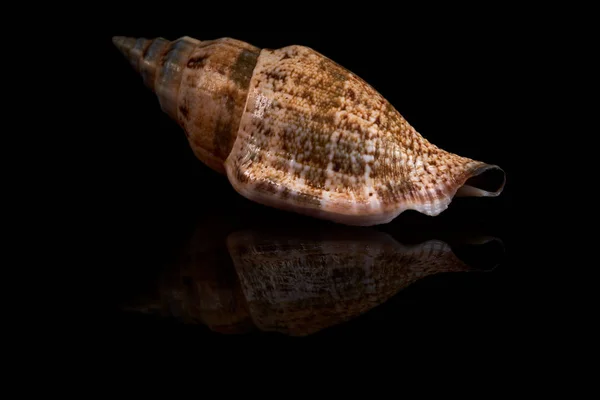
{"x": 293, "y": 130}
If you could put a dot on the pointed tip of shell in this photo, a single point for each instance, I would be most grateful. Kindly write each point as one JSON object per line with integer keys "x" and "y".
{"x": 123, "y": 43}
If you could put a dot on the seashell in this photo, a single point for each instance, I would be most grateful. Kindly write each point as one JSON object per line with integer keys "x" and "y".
{"x": 293, "y": 130}
{"x": 298, "y": 283}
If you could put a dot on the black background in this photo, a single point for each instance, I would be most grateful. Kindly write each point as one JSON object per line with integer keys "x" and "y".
{"x": 457, "y": 88}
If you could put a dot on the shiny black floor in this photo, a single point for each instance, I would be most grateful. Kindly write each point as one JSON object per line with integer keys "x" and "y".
{"x": 233, "y": 268}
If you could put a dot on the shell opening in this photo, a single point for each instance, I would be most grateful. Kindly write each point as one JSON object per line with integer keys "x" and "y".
{"x": 487, "y": 181}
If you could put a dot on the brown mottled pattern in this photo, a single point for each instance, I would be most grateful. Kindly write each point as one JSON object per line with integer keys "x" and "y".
{"x": 212, "y": 96}
{"x": 201, "y": 85}
{"x": 170, "y": 73}
{"x": 294, "y": 130}
{"x": 301, "y": 285}
{"x": 317, "y": 139}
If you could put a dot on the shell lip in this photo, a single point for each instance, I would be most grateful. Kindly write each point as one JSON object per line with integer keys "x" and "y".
{"x": 486, "y": 180}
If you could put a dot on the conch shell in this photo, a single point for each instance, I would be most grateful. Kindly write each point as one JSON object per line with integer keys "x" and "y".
{"x": 292, "y": 129}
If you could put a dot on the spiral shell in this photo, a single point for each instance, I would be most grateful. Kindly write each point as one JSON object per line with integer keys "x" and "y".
{"x": 294, "y": 130}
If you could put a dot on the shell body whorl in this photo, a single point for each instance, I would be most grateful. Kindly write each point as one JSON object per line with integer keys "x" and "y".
{"x": 294, "y": 130}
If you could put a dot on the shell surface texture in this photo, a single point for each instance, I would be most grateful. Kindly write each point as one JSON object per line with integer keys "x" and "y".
{"x": 293, "y": 130}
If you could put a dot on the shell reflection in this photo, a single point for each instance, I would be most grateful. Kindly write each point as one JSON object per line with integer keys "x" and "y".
{"x": 295, "y": 283}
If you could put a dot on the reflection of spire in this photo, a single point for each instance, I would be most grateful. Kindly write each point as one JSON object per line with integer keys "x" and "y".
{"x": 201, "y": 287}
{"x": 296, "y": 283}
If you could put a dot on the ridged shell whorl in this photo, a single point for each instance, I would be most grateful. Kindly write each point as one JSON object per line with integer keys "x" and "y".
{"x": 201, "y": 85}
{"x": 296, "y": 131}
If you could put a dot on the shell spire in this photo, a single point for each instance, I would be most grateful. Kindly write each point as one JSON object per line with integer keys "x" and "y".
{"x": 203, "y": 86}
{"x": 158, "y": 61}
{"x": 131, "y": 48}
